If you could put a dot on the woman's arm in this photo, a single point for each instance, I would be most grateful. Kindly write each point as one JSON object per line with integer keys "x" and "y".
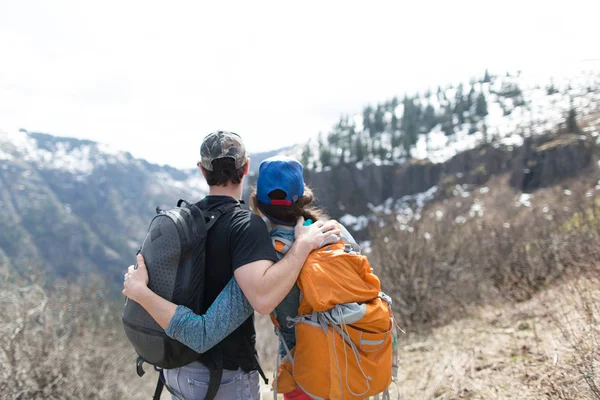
{"x": 288, "y": 308}
{"x": 199, "y": 332}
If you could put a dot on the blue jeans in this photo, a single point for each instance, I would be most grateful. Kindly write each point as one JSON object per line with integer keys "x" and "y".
{"x": 191, "y": 382}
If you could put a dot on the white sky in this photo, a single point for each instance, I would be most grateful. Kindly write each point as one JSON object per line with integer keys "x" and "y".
{"x": 154, "y": 77}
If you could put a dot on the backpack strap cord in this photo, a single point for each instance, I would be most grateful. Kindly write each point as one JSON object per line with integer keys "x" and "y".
{"x": 285, "y": 346}
{"x": 216, "y": 374}
{"x": 388, "y": 301}
{"x": 343, "y": 331}
{"x": 276, "y": 377}
{"x": 262, "y": 373}
{"x": 159, "y": 386}
{"x": 278, "y": 333}
{"x": 139, "y": 365}
{"x": 182, "y": 201}
{"x": 252, "y": 352}
{"x": 162, "y": 383}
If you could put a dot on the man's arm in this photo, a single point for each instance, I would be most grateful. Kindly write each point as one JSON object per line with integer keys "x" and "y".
{"x": 199, "y": 332}
{"x": 266, "y": 283}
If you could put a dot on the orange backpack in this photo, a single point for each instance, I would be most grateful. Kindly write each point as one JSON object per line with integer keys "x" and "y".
{"x": 343, "y": 329}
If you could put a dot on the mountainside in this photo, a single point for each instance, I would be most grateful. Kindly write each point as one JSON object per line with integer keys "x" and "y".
{"x": 437, "y": 125}
{"x": 73, "y": 206}
{"x": 356, "y": 195}
{"x": 399, "y": 153}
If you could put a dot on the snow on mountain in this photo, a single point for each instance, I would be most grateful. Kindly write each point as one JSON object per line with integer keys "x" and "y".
{"x": 405, "y": 209}
{"x": 83, "y": 158}
{"x": 79, "y": 157}
{"x": 518, "y": 105}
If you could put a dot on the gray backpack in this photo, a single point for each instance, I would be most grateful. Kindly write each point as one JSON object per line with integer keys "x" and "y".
{"x": 174, "y": 251}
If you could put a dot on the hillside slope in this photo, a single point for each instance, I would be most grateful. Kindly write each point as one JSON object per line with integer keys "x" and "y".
{"x": 74, "y": 206}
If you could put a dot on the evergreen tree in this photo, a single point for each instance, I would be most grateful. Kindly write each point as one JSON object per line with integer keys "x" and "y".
{"x": 486, "y": 136}
{"x": 471, "y": 99}
{"x": 306, "y": 154}
{"x": 343, "y": 155}
{"x": 472, "y": 125}
{"x": 460, "y": 105}
{"x": 367, "y": 118}
{"x": 487, "y": 78}
{"x": 396, "y": 139}
{"x": 447, "y": 122}
{"x": 351, "y": 132}
{"x": 383, "y": 153}
{"x": 378, "y": 150}
{"x": 550, "y": 90}
{"x": 481, "y": 106}
{"x": 359, "y": 149}
{"x": 406, "y": 144}
{"x": 324, "y": 153}
{"x": 325, "y": 157}
{"x": 378, "y": 125}
{"x": 572, "y": 126}
{"x": 334, "y": 138}
{"x": 394, "y": 123}
{"x": 410, "y": 123}
{"x": 429, "y": 120}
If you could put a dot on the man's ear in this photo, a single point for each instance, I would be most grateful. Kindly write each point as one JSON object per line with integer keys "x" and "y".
{"x": 247, "y": 169}
{"x": 199, "y": 164}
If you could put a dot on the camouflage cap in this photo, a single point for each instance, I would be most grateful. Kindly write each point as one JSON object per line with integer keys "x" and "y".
{"x": 222, "y": 144}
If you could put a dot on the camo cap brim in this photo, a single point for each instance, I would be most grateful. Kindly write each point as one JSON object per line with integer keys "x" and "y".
{"x": 222, "y": 144}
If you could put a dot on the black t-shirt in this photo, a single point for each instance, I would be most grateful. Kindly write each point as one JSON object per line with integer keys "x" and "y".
{"x": 237, "y": 238}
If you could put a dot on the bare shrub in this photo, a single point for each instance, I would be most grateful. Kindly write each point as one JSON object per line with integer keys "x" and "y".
{"x": 65, "y": 343}
{"x": 474, "y": 249}
{"x": 580, "y": 328}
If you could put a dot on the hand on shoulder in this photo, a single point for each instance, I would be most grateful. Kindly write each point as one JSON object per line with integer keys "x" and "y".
{"x": 310, "y": 237}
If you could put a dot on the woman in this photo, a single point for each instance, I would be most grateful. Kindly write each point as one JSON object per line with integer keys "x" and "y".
{"x": 282, "y": 197}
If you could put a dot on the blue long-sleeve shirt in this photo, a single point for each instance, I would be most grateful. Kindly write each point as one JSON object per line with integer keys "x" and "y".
{"x": 202, "y": 332}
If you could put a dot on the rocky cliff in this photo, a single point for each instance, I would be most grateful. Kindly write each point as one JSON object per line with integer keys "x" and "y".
{"x": 539, "y": 161}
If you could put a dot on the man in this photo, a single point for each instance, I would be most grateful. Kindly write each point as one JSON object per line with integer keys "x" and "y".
{"x": 238, "y": 245}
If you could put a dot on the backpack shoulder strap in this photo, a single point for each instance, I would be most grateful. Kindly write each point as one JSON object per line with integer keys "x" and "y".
{"x": 281, "y": 245}
{"x": 215, "y": 377}
{"x": 213, "y": 216}
{"x": 252, "y": 352}
{"x": 210, "y": 217}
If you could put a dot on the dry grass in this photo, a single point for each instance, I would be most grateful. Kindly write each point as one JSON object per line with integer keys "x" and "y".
{"x": 517, "y": 352}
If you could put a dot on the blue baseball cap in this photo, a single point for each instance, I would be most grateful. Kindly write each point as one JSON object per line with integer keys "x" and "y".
{"x": 280, "y": 173}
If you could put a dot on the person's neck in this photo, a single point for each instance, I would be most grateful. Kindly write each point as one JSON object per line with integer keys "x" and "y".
{"x": 273, "y": 225}
{"x": 234, "y": 191}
